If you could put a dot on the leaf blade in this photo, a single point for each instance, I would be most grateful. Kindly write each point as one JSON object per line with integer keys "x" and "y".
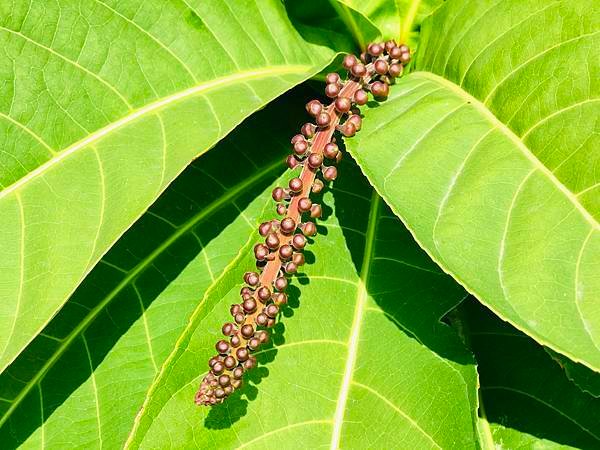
{"x": 480, "y": 192}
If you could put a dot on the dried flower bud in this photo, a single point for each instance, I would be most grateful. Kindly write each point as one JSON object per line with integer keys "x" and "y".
{"x": 242, "y": 354}
{"x": 379, "y": 89}
{"x": 395, "y": 70}
{"x": 228, "y": 329}
{"x": 230, "y": 362}
{"x": 395, "y": 52}
{"x": 323, "y": 119}
{"x": 285, "y": 252}
{"x": 356, "y": 120}
{"x": 304, "y": 204}
{"x": 280, "y": 283}
{"x": 272, "y": 241}
{"x": 314, "y": 108}
{"x": 330, "y": 150}
{"x": 251, "y": 278}
{"x": 348, "y": 129}
{"x": 317, "y": 186}
{"x": 295, "y": 185}
{"x": 315, "y": 160}
{"x": 265, "y": 228}
{"x": 349, "y": 61}
{"x": 261, "y": 251}
{"x": 280, "y": 299}
{"x": 298, "y": 259}
{"x": 296, "y": 138}
{"x": 235, "y": 341}
{"x": 291, "y": 267}
{"x": 332, "y": 90}
{"x": 278, "y": 194}
{"x": 261, "y": 319}
{"x": 309, "y": 229}
{"x": 222, "y": 346}
{"x": 343, "y": 104}
{"x": 281, "y": 209}
{"x": 249, "y": 305}
{"x": 380, "y": 66}
{"x": 405, "y": 57}
{"x": 390, "y": 45}
{"x": 272, "y": 310}
{"x": 291, "y": 162}
{"x": 308, "y": 130}
{"x": 404, "y": 48}
{"x": 361, "y": 97}
{"x": 288, "y": 225}
{"x": 263, "y": 294}
{"x": 316, "y": 210}
{"x": 359, "y": 70}
{"x": 247, "y": 331}
{"x": 298, "y": 241}
{"x": 332, "y": 78}
{"x": 300, "y": 148}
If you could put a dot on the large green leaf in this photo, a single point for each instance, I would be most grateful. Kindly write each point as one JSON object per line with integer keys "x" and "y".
{"x": 490, "y": 153}
{"x": 526, "y": 399}
{"x": 363, "y": 362}
{"x": 81, "y": 382}
{"x": 103, "y": 103}
{"x": 397, "y": 19}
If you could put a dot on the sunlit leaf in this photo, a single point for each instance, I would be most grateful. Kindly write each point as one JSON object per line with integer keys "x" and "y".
{"x": 489, "y": 152}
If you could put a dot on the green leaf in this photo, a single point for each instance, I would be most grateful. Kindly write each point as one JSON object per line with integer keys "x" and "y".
{"x": 91, "y": 366}
{"x": 526, "y": 399}
{"x": 102, "y": 106}
{"x": 397, "y": 19}
{"x": 489, "y": 151}
{"x": 362, "y": 362}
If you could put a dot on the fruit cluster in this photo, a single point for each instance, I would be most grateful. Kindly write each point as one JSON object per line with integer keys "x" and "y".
{"x": 280, "y": 254}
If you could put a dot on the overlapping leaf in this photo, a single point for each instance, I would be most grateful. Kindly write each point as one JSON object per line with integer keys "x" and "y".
{"x": 103, "y": 103}
{"x": 91, "y": 367}
{"x": 397, "y": 19}
{"x": 363, "y": 361}
{"x": 489, "y": 151}
{"x": 527, "y": 401}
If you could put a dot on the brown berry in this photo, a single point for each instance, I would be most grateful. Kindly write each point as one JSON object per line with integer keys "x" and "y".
{"x": 395, "y": 70}
{"x": 331, "y": 150}
{"x": 272, "y": 241}
{"x": 332, "y": 90}
{"x": 332, "y": 78}
{"x": 314, "y": 107}
{"x": 304, "y": 204}
{"x": 349, "y": 61}
{"x": 323, "y": 119}
{"x": 228, "y": 329}
{"x": 343, "y": 104}
{"x": 309, "y": 229}
{"x": 222, "y": 346}
{"x": 247, "y": 331}
{"x": 315, "y": 160}
{"x": 316, "y": 210}
{"x": 308, "y": 130}
{"x": 359, "y": 70}
{"x": 242, "y": 354}
{"x": 249, "y": 305}
{"x": 381, "y": 67}
{"x": 361, "y": 97}
{"x": 280, "y": 283}
{"x": 285, "y": 252}
{"x": 295, "y": 185}
{"x": 288, "y": 225}
{"x": 298, "y": 241}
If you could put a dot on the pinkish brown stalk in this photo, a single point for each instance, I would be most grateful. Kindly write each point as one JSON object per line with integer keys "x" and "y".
{"x": 285, "y": 239}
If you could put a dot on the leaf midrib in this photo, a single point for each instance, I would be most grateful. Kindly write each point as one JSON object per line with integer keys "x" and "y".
{"x": 131, "y": 275}
{"x": 503, "y": 128}
{"x": 265, "y": 72}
